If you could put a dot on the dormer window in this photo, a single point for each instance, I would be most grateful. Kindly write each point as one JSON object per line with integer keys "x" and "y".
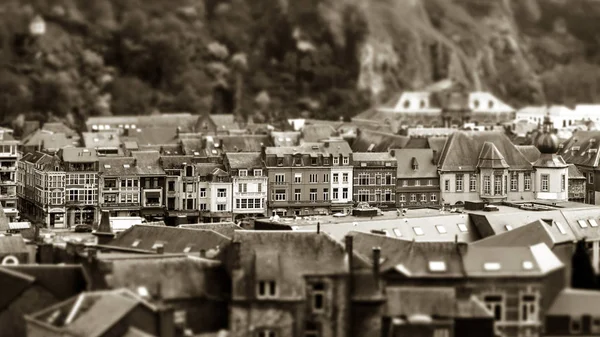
{"x": 415, "y": 164}
{"x": 189, "y": 171}
{"x": 313, "y": 161}
{"x": 346, "y": 160}
{"x": 593, "y": 222}
{"x": 266, "y": 289}
{"x": 318, "y": 297}
{"x": 336, "y": 160}
{"x": 279, "y": 161}
{"x": 243, "y": 173}
{"x": 126, "y": 166}
{"x": 527, "y": 265}
{"x": 258, "y": 173}
{"x": 437, "y": 266}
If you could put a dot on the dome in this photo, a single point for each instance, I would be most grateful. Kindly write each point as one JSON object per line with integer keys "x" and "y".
{"x": 547, "y": 143}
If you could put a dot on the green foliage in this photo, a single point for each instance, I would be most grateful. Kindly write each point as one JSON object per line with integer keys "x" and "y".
{"x": 130, "y": 96}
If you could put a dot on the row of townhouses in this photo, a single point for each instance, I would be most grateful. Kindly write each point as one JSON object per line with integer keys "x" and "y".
{"x": 72, "y": 186}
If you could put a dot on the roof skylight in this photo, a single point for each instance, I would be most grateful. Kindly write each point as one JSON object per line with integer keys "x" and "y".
{"x": 527, "y": 265}
{"x": 491, "y": 266}
{"x": 143, "y": 291}
{"x": 593, "y": 222}
{"x": 462, "y": 227}
{"x": 441, "y": 229}
{"x": 397, "y": 232}
{"x": 126, "y": 165}
{"x": 107, "y": 166}
{"x": 582, "y": 223}
{"x": 418, "y": 230}
{"x": 437, "y": 266}
{"x": 560, "y": 227}
{"x": 135, "y": 243}
{"x": 508, "y": 227}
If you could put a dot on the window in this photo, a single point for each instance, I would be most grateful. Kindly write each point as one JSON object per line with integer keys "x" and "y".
{"x": 491, "y": 266}
{"x": 397, "y": 232}
{"x": 437, "y": 266}
{"x": 433, "y": 197}
{"x": 325, "y": 161}
{"x": 459, "y": 182}
{"x": 312, "y": 330}
{"x": 171, "y": 186}
{"x": 203, "y": 207}
{"x": 243, "y": 188}
{"x": 279, "y": 195}
{"x": 266, "y": 289}
{"x": 336, "y": 160}
{"x": 545, "y": 182}
{"x": 575, "y": 326}
{"x": 189, "y": 188}
{"x": 297, "y": 178}
{"x": 388, "y": 195}
{"x": 404, "y": 183}
{"x": 418, "y": 231}
{"x": 593, "y": 222}
{"x": 447, "y": 185}
{"x": 402, "y": 198}
{"x": 243, "y": 173}
{"x": 527, "y": 181}
{"x": 325, "y": 194}
{"x": 326, "y": 178}
{"x": 318, "y": 296}
{"x": 560, "y": 227}
{"x": 221, "y": 207}
{"x": 472, "y": 182}
{"x": 221, "y": 193}
{"x": 336, "y": 178}
{"x": 497, "y": 184}
{"x": 514, "y": 181}
{"x": 203, "y": 192}
{"x": 487, "y": 188}
{"x": 441, "y": 229}
{"x": 529, "y": 308}
{"x": 345, "y": 193}
{"x": 495, "y": 303}
{"x": 563, "y": 183}
{"x": 388, "y": 179}
{"x": 279, "y": 161}
{"x": 266, "y": 333}
{"x": 345, "y": 178}
{"x": 462, "y": 227}
{"x": 423, "y": 197}
{"x": 312, "y": 178}
{"x": 582, "y": 223}
{"x": 258, "y": 173}
{"x": 313, "y": 194}
{"x": 417, "y": 182}
{"x": 297, "y": 194}
{"x": 279, "y": 178}
{"x": 591, "y": 178}
{"x": 313, "y": 161}
{"x": 346, "y": 160}
{"x": 429, "y": 182}
{"x": 363, "y": 179}
{"x": 335, "y": 194}
{"x": 259, "y": 187}
{"x": 413, "y": 198}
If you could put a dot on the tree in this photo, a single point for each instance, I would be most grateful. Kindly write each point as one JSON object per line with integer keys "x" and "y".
{"x": 583, "y": 276}
{"x": 130, "y": 96}
{"x": 53, "y": 95}
{"x": 14, "y": 96}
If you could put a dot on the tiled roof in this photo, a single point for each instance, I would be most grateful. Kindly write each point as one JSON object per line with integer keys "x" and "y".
{"x": 243, "y": 143}
{"x": 533, "y": 233}
{"x": 317, "y": 132}
{"x": 191, "y": 145}
{"x": 224, "y": 228}
{"x": 97, "y": 140}
{"x": 175, "y": 162}
{"x": 375, "y": 141}
{"x": 530, "y": 152}
{"x": 148, "y": 162}
{"x": 117, "y": 166}
{"x": 287, "y": 256}
{"x": 491, "y": 158}
{"x": 244, "y": 160}
{"x": 462, "y": 151}
{"x": 426, "y": 168}
{"x": 576, "y": 303}
{"x": 206, "y": 169}
{"x": 174, "y": 240}
{"x": 338, "y": 147}
{"x": 57, "y": 127}
{"x": 582, "y": 149}
{"x": 574, "y": 172}
{"x": 414, "y": 257}
{"x": 13, "y": 244}
{"x": 373, "y": 156}
{"x": 421, "y": 229}
{"x": 285, "y": 138}
{"x": 79, "y": 155}
{"x": 170, "y": 278}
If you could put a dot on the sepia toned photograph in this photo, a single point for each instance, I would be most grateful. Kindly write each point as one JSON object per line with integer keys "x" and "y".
{"x": 299, "y": 168}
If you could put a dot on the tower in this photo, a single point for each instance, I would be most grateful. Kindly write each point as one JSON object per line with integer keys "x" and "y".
{"x": 551, "y": 171}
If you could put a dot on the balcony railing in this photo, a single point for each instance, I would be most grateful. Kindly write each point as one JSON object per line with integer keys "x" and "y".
{"x": 152, "y": 204}
{"x": 8, "y": 168}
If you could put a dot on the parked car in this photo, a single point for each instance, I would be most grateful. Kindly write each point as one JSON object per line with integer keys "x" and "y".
{"x": 83, "y": 228}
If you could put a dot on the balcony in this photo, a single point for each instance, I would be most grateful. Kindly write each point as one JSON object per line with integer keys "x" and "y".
{"x": 110, "y": 189}
{"x": 8, "y": 168}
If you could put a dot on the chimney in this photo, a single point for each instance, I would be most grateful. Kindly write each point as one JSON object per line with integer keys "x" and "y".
{"x": 434, "y": 157}
{"x": 203, "y": 253}
{"x": 263, "y": 150}
{"x": 160, "y": 249}
{"x": 104, "y": 232}
{"x": 166, "y": 322}
{"x": 462, "y": 247}
{"x": 36, "y": 233}
{"x": 318, "y": 227}
{"x": 350, "y": 251}
{"x": 376, "y": 259}
{"x": 237, "y": 259}
{"x": 221, "y": 144}
{"x": 393, "y": 153}
{"x": 326, "y": 144}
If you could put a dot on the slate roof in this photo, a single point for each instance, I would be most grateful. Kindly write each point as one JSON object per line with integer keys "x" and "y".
{"x": 171, "y": 278}
{"x": 244, "y": 160}
{"x": 79, "y": 155}
{"x": 574, "y": 173}
{"x": 533, "y": 233}
{"x": 58, "y": 127}
{"x": 337, "y": 147}
{"x": 207, "y": 169}
{"x": 117, "y": 166}
{"x": 575, "y": 303}
{"x": 94, "y": 313}
{"x": 191, "y": 145}
{"x": 376, "y": 141}
{"x": 174, "y": 240}
{"x": 317, "y": 132}
{"x": 148, "y": 162}
{"x": 183, "y": 119}
{"x": 153, "y": 135}
{"x": 582, "y": 227}
{"x": 372, "y": 156}
{"x": 422, "y": 157}
{"x": 491, "y": 158}
{"x": 582, "y": 149}
{"x": 175, "y": 162}
{"x": 243, "y": 143}
{"x": 305, "y": 148}
{"x": 286, "y": 257}
{"x": 224, "y": 228}
{"x": 48, "y": 140}
{"x": 530, "y": 152}
{"x": 462, "y": 151}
